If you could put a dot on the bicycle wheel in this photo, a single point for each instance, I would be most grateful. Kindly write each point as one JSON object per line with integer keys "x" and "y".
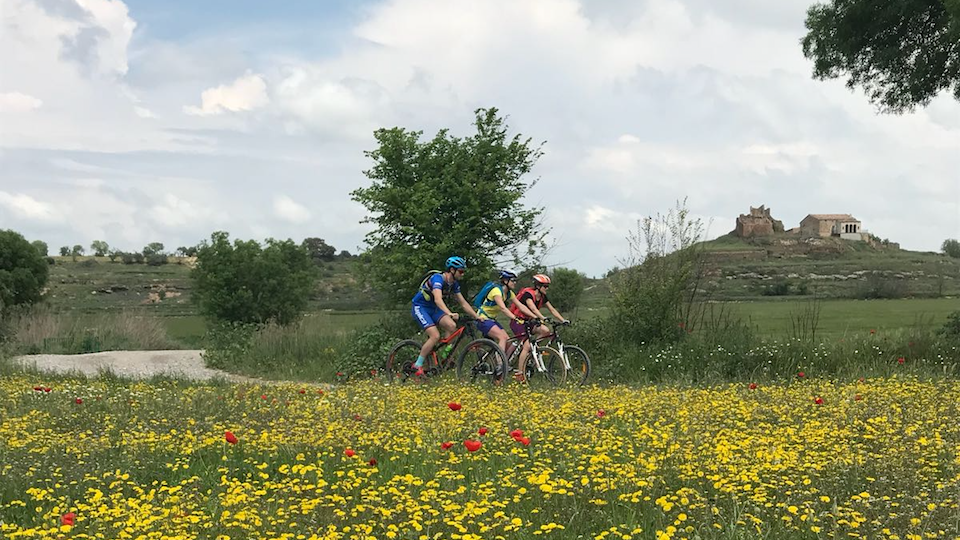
{"x": 579, "y": 365}
{"x": 481, "y": 361}
{"x": 554, "y": 374}
{"x": 400, "y": 360}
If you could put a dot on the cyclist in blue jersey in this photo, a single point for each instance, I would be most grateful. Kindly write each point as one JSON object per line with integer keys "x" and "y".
{"x": 430, "y": 310}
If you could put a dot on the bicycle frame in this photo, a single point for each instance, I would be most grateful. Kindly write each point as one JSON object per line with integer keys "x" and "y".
{"x": 518, "y": 342}
{"x": 553, "y": 338}
{"x": 456, "y": 337}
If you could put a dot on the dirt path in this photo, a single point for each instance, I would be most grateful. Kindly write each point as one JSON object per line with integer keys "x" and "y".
{"x": 132, "y": 364}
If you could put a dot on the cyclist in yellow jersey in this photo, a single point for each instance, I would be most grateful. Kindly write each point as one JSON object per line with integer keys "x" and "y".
{"x": 495, "y": 303}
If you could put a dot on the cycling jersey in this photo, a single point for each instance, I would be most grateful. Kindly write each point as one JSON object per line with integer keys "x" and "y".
{"x": 424, "y": 296}
{"x": 490, "y": 309}
{"x": 525, "y": 293}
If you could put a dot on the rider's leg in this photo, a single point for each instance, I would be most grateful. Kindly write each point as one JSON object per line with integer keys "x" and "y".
{"x": 522, "y": 364}
{"x": 433, "y": 336}
{"x": 448, "y": 325}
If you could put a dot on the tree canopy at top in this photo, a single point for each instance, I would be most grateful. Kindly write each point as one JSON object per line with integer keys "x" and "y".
{"x": 902, "y": 53}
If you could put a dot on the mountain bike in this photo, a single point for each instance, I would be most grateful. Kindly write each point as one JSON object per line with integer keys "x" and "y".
{"x": 400, "y": 361}
{"x": 544, "y": 367}
{"x": 576, "y": 363}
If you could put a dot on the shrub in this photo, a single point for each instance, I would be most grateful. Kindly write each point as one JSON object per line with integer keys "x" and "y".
{"x": 156, "y": 259}
{"x": 566, "y": 288}
{"x": 951, "y": 248}
{"x": 248, "y": 283}
{"x": 368, "y": 348}
{"x": 23, "y": 271}
{"x": 951, "y": 328}
{"x": 131, "y": 258}
{"x": 876, "y": 285}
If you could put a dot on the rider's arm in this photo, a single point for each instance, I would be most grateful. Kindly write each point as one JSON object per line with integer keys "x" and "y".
{"x": 556, "y": 314}
{"x": 533, "y": 308}
{"x": 503, "y": 307}
{"x": 438, "y": 299}
{"x": 466, "y": 306}
{"x": 523, "y": 309}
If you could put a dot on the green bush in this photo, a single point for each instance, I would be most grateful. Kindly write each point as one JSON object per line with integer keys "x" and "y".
{"x": 368, "y": 348}
{"x": 566, "y": 288}
{"x": 247, "y": 282}
{"x": 23, "y": 271}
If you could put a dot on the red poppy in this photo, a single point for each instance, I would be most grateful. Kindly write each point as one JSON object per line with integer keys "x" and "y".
{"x": 601, "y": 413}
{"x": 47, "y": 389}
{"x": 68, "y": 519}
{"x": 872, "y": 331}
{"x": 525, "y": 441}
{"x": 482, "y": 431}
{"x": 38, "y": 389}
{"x": 857, "y": 397}
{"x": 681, "y": 325}
{"x": 319, "y": 392}
{"x": 801, "y": 374}
{"x": 516, "y": 434}
{"x": 753, "y": 386}
{"x": 818, "y": 400}
{"x": 263, "y": 396}
{"x": 373, "y": 372}
{"x": 860, "y": 379}
{"x": 349, "y": 452}
{"x": 357, "y": 417}
{"x": 372, "y": 462}
{"x": 78, "y": 401}
{"x": 303, "y": 390}
{"x": 446, "y": 445}
{"x": 454, "y": 406}
{"x": 900, "y": 360}
{"x": 230, "y": 437}
{"x": 339, "y": 374}
{"x": 472, "y": 445}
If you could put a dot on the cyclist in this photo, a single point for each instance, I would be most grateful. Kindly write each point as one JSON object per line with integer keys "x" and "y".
{"x": 533, "y": 298}
{"x": 495, "y": 302}
{"x": 430, "y": 310}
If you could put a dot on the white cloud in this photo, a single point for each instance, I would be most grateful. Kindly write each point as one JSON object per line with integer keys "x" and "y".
{"x": 628, "y": 139}
{"x": 26, "y": 207}
{"x": 287, "y": 209}
{"x": 246, "y": 93}
{"x": 15, "y": 102}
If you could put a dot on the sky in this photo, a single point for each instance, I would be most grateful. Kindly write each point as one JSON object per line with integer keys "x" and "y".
{"x": 136, "y": 122}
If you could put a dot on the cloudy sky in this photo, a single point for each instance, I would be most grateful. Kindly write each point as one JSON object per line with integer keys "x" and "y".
{"x": 145, "y": 121}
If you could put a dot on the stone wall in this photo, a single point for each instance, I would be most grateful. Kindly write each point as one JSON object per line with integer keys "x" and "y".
{"x": 758, "y": 222}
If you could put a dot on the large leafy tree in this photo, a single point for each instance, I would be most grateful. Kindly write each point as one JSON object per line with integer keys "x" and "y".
{"x": 448, "y": 196}
{"x": 252, "y": 283}
{"x": 23, "y": 270}
{"x": 951, "y": 248}
{"x": 318, "y": 249}
{"x": 901, "y": 52}
{"x": 566, "y": 288}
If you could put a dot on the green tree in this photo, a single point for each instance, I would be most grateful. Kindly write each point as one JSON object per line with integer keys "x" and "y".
{"x": 951, "y": 248}
{"x": 252, "y": 283}
{"x": 448, "y": 196}
{"x": 153, "y": 248}
{"x": 40, "y": 246}
{"x": 566, "y": 288}
{"x": 64, "y": 251}
{"x": 23, "y": 270}
{"x": 77, "y": 250}
{"x": 902, "y": 53}
{"x": 318, "y": 249}
{"x": 99, "y": 248}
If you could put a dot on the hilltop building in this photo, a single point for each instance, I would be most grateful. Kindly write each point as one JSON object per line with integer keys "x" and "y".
{"x": 758, "y": 222}
{"x": 825, "y": 225}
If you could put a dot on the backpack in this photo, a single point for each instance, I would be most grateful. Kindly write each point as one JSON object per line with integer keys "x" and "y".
{"x": 481, "y": 296}
{"x": 516, "y": 311}
{"x": 424, "y": 290}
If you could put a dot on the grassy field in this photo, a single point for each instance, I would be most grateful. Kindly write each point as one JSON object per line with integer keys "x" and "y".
{"x": 811, "y": 459}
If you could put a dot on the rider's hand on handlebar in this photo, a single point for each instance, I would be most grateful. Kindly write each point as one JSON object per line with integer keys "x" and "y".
{"x": 455, "y": 316}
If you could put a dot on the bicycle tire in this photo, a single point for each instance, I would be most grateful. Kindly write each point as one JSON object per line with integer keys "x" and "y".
{"x": 553, "y": 376}
{"x": 579, "y": 365}
{"x": 399, "y": 362}
{"x": 481, "y": 360}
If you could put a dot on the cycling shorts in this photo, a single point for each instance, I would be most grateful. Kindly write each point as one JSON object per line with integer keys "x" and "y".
{"x": 427, "y": 316}
{"x": 486, "y": 325}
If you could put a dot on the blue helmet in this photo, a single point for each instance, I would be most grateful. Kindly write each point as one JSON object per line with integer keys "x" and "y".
{"x": 456, "y": 262}
{"x": 508, "y": 274}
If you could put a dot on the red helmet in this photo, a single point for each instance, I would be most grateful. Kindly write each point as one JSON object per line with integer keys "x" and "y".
{"x": 541, "y": 279}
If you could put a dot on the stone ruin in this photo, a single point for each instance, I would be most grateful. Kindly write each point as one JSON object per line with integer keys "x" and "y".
{"x": 757, "y": 223}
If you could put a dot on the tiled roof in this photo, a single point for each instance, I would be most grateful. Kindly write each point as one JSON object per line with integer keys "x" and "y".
{"x": 841, "y": 217}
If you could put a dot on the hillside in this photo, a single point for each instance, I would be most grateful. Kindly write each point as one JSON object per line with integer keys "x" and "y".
{"x": 94, "y": 284}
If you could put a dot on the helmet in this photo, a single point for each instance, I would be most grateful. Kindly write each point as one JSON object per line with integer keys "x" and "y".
{"x": 508, "y": 274}
{"x": 456, "y": 262}
{"x": 541, "y": 279}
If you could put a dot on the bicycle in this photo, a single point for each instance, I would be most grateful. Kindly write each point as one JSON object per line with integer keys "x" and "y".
{"x": 544, "y": 365}
{"x": 400, "y": 359}
{"x": 576, "y": 363}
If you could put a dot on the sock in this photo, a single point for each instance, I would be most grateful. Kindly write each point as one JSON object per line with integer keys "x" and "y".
{"x": 419, "y": 362}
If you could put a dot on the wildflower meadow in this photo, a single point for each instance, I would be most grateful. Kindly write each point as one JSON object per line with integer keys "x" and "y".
{"x": 810, "y": 458}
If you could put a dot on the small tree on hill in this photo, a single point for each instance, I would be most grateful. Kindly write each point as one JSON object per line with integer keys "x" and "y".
{"x": 40, "y": 246}
{"x": 447, "y": 196}
{"x": 99, "y": 248}
{"x": 64, "y": 251}
{"x": 248, "y": 282}
{"x": 951, "y": 248}
{"x": 566, "y": 288}
{"x": 77, "y": 250}
{"x": 23, "y": 270}
{"x": 318, "y": 249}
{"x": 153, "y": 248}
